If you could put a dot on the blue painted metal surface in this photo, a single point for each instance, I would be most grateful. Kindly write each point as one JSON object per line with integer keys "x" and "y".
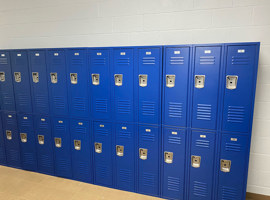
{"x": 3, "y": 160}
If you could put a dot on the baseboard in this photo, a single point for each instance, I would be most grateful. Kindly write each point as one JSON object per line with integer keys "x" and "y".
{"x": 254, "y": 196}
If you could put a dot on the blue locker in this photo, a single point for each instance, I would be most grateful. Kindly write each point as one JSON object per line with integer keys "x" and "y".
{"x": 62, "y": 147}
{"x": 27, "y": 142}
{"x": 205, "y": 86}
{"x": 125, "y": 156}
{"x": 201, "y": 165}
{"x": 175, "y": 84}
{"x": 123, "y": 74}
{"x": 6, "y": 86}
{"x": 103, "y": 154}
{"x": 148, "y": 164}
{"x": 149, "y": 87}
{"x": 38, "y": 73}
{"x": 3, "y": 160}
{"x": 44, "y": 144}
{"x": 11, "y": 135}
{"x": 233, "y": 165}
{"x": 240, "y": 77}
{"x": 21, "y": 81}
{"x": 81, "y": 150}
{"x": 174, "y": 149}
{"x": 57, "y": 82}
{"x": 78, "y": 81}
{"x": 99, "y": 68}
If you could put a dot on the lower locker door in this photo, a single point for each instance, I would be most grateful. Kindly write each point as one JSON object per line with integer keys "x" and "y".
{"x": 3, "y": 160}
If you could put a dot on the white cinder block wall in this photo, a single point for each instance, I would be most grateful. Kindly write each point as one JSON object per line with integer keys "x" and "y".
{"x": 67, "y": 23}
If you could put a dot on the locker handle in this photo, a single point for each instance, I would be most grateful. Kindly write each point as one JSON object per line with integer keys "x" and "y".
{"x": 95, "y": 79}
{"x": 41, "y": 139}
{"x": 225, "y": 166}
{"x": 196, "y": 161}
{"x": 143, "y": 153}
{"x": 73, "y": 78}
{"x": 168, "y": 157}
{"x": 231, "y": 82}
{"x": 23, "y": 137}
{"x": 54, "y": 77}
{"x": 9, "y": 134}
{"x": 58, "y": 142}
{"x": 98, "y": 147}
{"x": 2, "y": 76}
{"x": 170, "y": 81}
{"x": 119, "y": 150}
{"x": 77, "y": 145}
{"x": 35, "y": 77}
{"x": 199, "y": 81}
{"x": 118, "y": 79}
{"x": 17, "y": 77}
{"x": 143, "y": 80}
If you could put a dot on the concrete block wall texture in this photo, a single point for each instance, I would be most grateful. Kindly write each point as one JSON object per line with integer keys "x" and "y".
{"x": 69, "y": 23}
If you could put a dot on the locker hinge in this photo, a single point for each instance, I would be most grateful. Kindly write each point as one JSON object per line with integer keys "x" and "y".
{"x": 119, "y": 150}
{"x": 58, "y": 142}
{"x": 95, "y": 79}
{"x": 170, "y": 81}
{"x": 41, "y": 139}
{"x": 143, "y": 80}
{"x": 168, "y": 157}
{"x": 9, "y": 134}
{"x": 196, "y": 161}
{"x": 35, "y": 77}
{"x": 98, "y": 147}
{"x": 231, "y": 82}
{"x": 225, "y": 166}
{"x": 199, "y": 81}
{"x": 2, "y": 76}
{"x": 54, "y": 78}
{"x": 73, "y": 78}
{"x": 17, "y": 77}
{"x": 143, "y": 153}
{"x": 77, "y": 145}
{"x": 23, "y": 137}
{"x": 118, "y": 79}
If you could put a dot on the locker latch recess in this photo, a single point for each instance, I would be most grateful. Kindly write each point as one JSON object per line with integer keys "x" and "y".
{"x": 143, "y": 153}
{"x": 143, "y": 80}
{"x": 199, "y": 81}
{"x": 170, "y": 81}
{"x": 73, "y": 78}
{"x": 119, "y": 150}
{"x": 35, "y": 77}
{"x": 118, "y": 79}
{"x": 168, "y": 157}
{"x": 17, "y": 77}
{"x": 41, "y": 139}
{"x": 23, "y": 137}
{"x": 95, "y": 79}
{"x": 225, "y": 166}
{"x": 98, "y": 147}
{"x": 231, "y": 82}
{"x": 77, "y": 145}
{"x": 9, "y": 134}
{"x": 58, "y": 142}
{"x": 2, "y": 76}
{"x": 54, "y": 78}
{"x": 196, "y": 161}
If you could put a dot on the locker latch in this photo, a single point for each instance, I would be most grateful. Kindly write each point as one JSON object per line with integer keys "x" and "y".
{"x": 77, "y": 145}
{"x": 41, "y": 139}
{"x": 35, "y": 77}
{"x": 231, "y": 82}
{"x": 9, "y": 134}
{"x": 168, "y": 157}
{"x": 199, "y": 81}
{"x": 58, "y": 142}
{"x": 225, "y": 166}
{"x": 119, "y": 150}
{"x": 196, "y": 161}
{"x": 17, "y": 77}
{"x": 118, "y": 79}
{"x": 95, "y": 79}
{"x": 73, "y": 78}
{"x": 170, "y": 81}
{"x": 143, "y": 153}
{"x": 2, "y": 76}
{"x": 143, "y": 80}
{"x": 98, "y": 147}
{"x": 54, "y": 77}
{"x": 23, "y": 137}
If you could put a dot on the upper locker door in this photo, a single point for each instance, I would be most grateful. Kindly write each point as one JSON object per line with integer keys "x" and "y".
{"x": 175, "y": 83}
{"x": 57, "y": 81}
{"x": 149, "y": 79}
{"x": 38, "y": 73}
{"x": 78, "y": 83}
{"x": 21, "y": 81}
{"x": 6, "y": 86}
{"x": 205, "y": 86}
{"x": 2, "y": 145}
{"x": 123, "y": 74}
{"x": 99, "y": 68}
{"x": 240, "y": 78}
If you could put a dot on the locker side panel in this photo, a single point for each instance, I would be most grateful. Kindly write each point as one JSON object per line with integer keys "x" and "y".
{"x": 3, "y": 160}
{"x": 205, "y": 86}
{"x": 21, "y": 81}
{"x": 173, "y": 163}
{"x": 175, "y": 83}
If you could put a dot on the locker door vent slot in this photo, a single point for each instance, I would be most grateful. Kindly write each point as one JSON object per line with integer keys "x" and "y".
{"x": 119, "y": 150}
{"x": 225, "y": 166}
{"x": 118, "y": 79}
{"x": 231, "y": 82}
{"x": 73, "y": 78}
{"x": 98, "y": 147}
{"x": 77, "y": 145}
{"x": 168, "y": 157}
{"x": 9, "y": 134}
{"x": 143, "y": 153}
{"x": 196, "y": 161}
{"x": 17, "y": 77}
{"x": 35, "y": 77}
{"x": 58, "y": 142}
{"x": 54, "y": 78}
{"x": 170, "y": 81}
{"x": 41, "y": 139}
{"x": 2, "y": 76}
{"x": 143, "y": 80}
{"x": 95, "y": 79}
{"x": 23, "y": 137}
{"x": 199, "y": 81}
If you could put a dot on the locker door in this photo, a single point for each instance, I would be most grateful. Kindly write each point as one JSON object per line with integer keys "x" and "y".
{"x": 103, "y": 153}
{"x": 205, "y": 86}
{"x": 3, "y": 160}
{"x": 99, "y": 69}
{"x": 11, "y": 135}
{"x": 239, "y": 87}
{"x": 62, "y": 150}
{"x": 123, "y": 70}
{"x": 125, "y": 156}
{"x": 78, "y": 83}
{"x": 201, "y": 165}
{"x": 232, "y": 167}
{"x": 6, "y": 86}
{"x": 38, "y": 73}
{"x": 173, "y": 163}
{"x": 44, "y": 145}
{"x": 21, "y": 81}
{"x": 81, "y": 154}
{"x": 57, "y": 82}
{"x": 149, "y": 85}
{"x": 27, "y": 142}
{"x": 148, "y": 155}
{"x": 175, "y": 83}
